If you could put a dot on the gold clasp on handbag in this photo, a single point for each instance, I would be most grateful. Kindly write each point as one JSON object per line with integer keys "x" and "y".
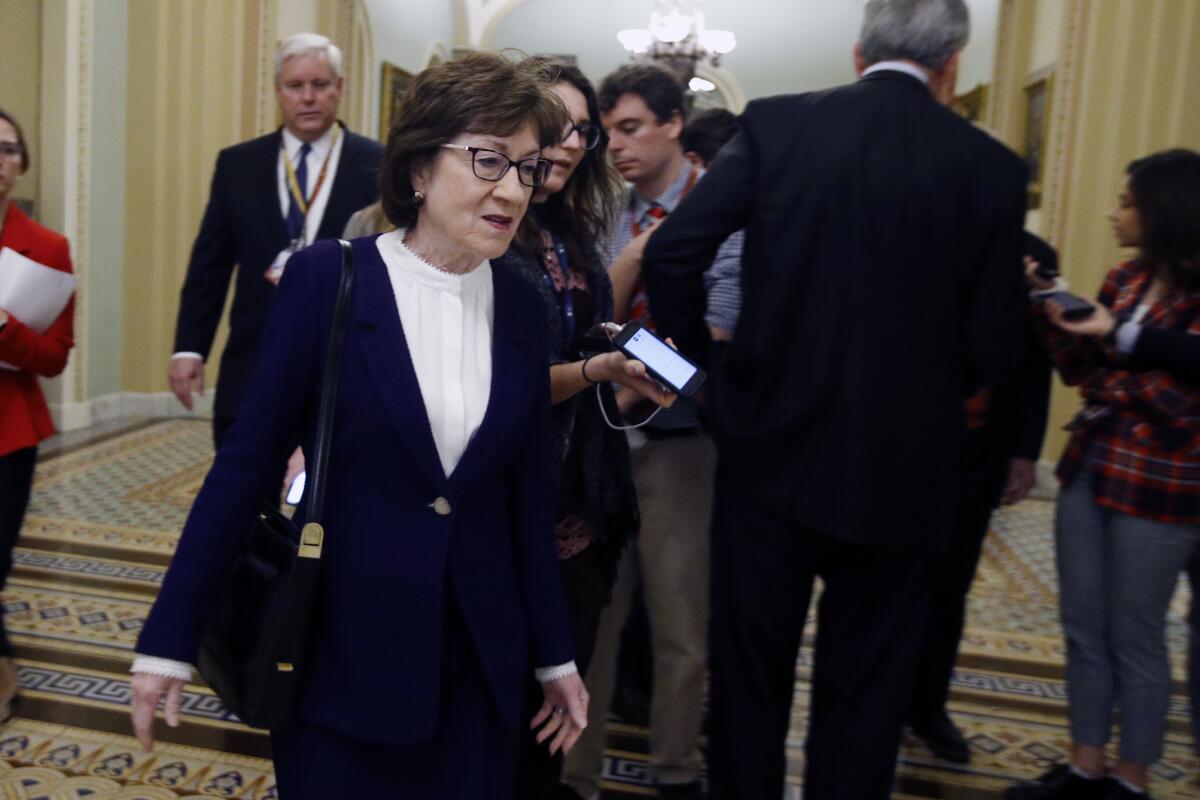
{"x": 311, "y": 538}
{"x": 284, "y": 666}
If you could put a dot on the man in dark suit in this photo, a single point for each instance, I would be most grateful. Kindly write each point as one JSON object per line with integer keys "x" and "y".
{"x": 1006, "y": 424}
{"x": 882, "y": 281}
{"x": 270, "y": 197}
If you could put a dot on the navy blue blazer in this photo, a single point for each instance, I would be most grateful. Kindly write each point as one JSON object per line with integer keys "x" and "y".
{"x": 389, "y": 560}
{"x": 243, "y": 226}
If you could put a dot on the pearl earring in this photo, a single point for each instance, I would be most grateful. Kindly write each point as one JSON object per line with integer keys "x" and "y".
{"x": 418, "y": 199}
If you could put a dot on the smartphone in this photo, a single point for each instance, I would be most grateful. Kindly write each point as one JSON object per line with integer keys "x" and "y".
{"x": 663, "y": 362}
{"x": 1074, "y": 308}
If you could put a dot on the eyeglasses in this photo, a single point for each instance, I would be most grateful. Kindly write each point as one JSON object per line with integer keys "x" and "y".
{"x": 589, "y": 134}
{"x": 493, "y": 166}
{"x": 10, "y": 150}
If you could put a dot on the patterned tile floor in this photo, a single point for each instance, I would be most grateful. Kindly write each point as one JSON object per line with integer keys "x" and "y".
{"x": 105, "y": 513}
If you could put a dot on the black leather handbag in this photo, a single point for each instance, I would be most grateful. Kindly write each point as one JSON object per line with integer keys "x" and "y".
{"x": 253, "y": 647}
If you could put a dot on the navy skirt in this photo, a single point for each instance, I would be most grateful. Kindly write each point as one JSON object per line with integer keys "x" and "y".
{"x": 472, "y": 755}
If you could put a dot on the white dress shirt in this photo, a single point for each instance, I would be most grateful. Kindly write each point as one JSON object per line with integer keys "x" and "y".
{"x": 899, "y": 66}
{"x": 316, "y": 158}
{"x": 447, "y": 320}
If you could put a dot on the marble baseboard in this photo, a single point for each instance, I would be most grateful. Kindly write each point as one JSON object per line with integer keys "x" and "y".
{"x": 74, "y": 416}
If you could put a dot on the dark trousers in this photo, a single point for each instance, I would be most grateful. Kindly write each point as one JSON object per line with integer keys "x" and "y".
{"x": 952, "y": 571}
{"x": 16, "y": 482}
{"x": 763, "y": 567}
{"x": 538, "y": 772}
{"x": 471, "y": 755}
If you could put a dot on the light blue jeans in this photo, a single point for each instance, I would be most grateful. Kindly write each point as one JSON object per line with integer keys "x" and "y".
{"x": 1116, "y": 576}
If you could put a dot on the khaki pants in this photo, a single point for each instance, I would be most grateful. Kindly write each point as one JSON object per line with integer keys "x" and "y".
{"x": 674, "y": 480}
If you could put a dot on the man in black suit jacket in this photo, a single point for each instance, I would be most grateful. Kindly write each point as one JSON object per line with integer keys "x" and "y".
{"x": 258, "y": 213}
{"x": 882, "y": 281}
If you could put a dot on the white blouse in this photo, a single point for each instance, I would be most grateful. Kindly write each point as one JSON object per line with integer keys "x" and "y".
{"x": 447, "y": 319}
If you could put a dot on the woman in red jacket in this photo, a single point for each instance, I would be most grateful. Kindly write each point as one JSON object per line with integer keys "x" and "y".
{"x": 24, "y": 416}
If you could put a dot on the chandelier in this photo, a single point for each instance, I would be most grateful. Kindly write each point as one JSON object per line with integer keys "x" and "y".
{"x": 679, "y": 39}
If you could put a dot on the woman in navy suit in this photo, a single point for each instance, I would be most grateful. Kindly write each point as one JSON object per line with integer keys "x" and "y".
{"x": 439, "y": 589}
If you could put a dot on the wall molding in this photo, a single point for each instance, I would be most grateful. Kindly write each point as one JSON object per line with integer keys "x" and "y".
{"x": 732, "y": 94}
{"x": 1064, "y": 110}
{"x": 81, "y": 244}
{"x": 122, "y": 405}
{"x": 268, "y": 110}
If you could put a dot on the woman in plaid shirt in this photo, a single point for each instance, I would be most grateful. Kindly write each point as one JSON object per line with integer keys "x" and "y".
{"x": 1128, "y": 518}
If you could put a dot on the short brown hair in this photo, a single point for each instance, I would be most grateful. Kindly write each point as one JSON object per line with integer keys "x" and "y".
{"x": 482, "y": 92}
{"x": 1166, "y": 192}
{"x": 656, "y": 85}
{"x": 11, "y": 120}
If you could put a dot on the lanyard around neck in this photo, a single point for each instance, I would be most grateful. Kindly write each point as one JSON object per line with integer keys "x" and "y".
{"x": 294, "y": 185}
{"x": 554, "y": 259}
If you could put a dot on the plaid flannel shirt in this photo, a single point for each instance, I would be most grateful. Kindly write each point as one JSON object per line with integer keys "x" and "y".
{"x": 1138, "y": 432}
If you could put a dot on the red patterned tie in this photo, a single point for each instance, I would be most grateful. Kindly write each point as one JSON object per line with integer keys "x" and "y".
{"x": 639, "y": 303}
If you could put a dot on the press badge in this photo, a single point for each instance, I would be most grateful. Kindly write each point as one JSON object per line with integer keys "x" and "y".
{"x": 275, "y": 272}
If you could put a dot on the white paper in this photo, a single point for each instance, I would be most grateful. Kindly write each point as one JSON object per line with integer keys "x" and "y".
{"x": 32, "y": 292}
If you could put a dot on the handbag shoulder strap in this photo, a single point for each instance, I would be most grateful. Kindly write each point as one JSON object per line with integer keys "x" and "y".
{"x": 333, "y": 361}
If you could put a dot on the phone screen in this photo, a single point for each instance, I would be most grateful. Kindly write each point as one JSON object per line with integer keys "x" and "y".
{"x": 296, "y": 490}
{"x": 660, "y": 357}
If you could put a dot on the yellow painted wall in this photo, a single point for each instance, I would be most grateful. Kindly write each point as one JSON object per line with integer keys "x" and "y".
{"x": 194, "y": 87}
{"x": 1136, "y": 94}
{"x": 200, "y": 79}
{"x": 1125, "y": 74}
{"x": 1046, "y": 33}
{"x": 20, "y": 79}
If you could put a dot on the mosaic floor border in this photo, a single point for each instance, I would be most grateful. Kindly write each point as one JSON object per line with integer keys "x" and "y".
{"x": 104, "y": 522}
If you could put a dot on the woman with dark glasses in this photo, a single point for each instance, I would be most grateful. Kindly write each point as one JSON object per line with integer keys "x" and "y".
{"x": 439, "y": 598}
{"x": 593, "y": 496}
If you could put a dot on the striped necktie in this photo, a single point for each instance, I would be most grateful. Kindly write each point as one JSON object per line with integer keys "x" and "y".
{"x": 639, "y": 303}
{"x": 295, "y": 216}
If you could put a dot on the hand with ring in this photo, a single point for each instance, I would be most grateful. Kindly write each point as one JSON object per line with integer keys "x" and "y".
{"x": 563, "y": 714}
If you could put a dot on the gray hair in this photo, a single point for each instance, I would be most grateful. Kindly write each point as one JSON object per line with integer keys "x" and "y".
{"x": 925, "y": 31}
{"x": 309, "y": 44}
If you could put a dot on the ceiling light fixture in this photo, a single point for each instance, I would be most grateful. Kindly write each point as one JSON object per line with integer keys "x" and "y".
{"x": 678, "y": 38}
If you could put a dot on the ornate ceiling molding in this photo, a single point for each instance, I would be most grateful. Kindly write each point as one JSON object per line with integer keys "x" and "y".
{"x": 476, "y": 20}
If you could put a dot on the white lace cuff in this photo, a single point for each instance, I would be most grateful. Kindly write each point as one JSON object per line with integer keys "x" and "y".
{"x": 164, "y": 667}
{"x": 547, "y": 674}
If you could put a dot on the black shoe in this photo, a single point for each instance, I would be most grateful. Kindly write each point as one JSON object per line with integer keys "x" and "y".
{"x": 680, "y": 791}
{"x": 944, "y": 738}
{"x": 564, "y": 792}
{"x": 1061, "y": 783}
